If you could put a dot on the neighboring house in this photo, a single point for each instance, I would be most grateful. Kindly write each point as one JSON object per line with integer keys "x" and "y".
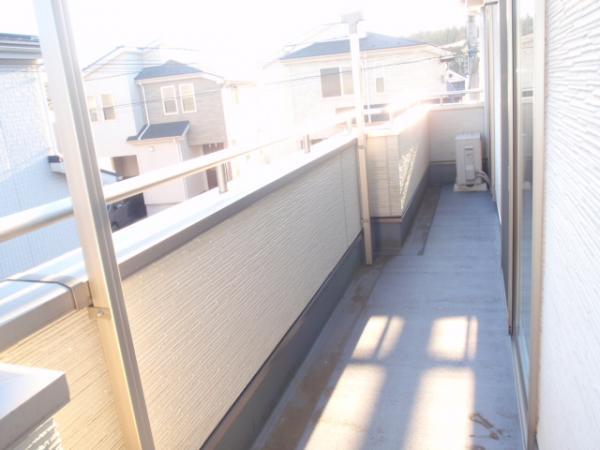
{"x": 147, "y": 116}
{"x": 455, "y": 81}
{"x": 115, "y": 104}
{"x": 394, "y": 69}
{"x": 184, "y": 118}
{"x": 31, "y": 166}
{"x": 26, "y": 142}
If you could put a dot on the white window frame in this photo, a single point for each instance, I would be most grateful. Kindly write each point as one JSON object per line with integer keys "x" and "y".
{"x": 379, "y": 73}
{"x": 182, "y": 95}
{"x": 163, "y": 97}
{"x": 342, "y": 72}
{"x": 92, "y": 106}
{"x": 105, "y": 106}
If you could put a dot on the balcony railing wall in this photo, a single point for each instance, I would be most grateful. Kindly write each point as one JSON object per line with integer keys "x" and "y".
{"x": 207, "y": 314}
{"x": 213, "y": 284}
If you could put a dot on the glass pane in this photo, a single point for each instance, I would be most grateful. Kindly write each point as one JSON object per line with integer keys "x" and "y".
{"x": 524, "y": 95}
{"x": 188, "y": 103}
{"x": 330, "y": 82}
{"x": 108, "y": 107}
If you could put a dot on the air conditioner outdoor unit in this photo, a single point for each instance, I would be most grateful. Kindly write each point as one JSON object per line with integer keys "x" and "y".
{"x": 469, "y": 171}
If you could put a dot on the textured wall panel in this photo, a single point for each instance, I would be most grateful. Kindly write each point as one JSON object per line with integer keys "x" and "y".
{"x": 45, "y": 436}
{"x": 446, "y": 122}
{"x": 570, "y": 359}
{"x": 25, "y": 176}
{"x": 205, "y": 317}
{"x": 72, "y": 345}
{"x": 396, "y": 164}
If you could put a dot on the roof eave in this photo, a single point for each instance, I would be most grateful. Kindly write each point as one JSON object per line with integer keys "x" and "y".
{"x": 19, "y": 52}
{"x": 140, "y": 139}
{"x": 163, "y": 78}
{"x": 158, "y": 140}
{"x": 303, "y": 59}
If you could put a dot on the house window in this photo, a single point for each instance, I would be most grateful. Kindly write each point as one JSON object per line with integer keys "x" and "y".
{"x": 169, "y": 100}
{"x": 188, "y": 99}
{"x": 92, "y": 108}
{"x": 108, "y": 107}
{"x": 336, "y": 82}
{"x": 211, "y": 174}
{"x": 379, "y": 85}
{"x": 330, "y": 82}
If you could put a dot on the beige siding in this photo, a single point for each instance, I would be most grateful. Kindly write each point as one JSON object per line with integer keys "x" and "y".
{"x": 72, "y": 345}
{"x": 205, "y": 317}
{"x": 397, "y": 162}
{"x": 207, "y": 124}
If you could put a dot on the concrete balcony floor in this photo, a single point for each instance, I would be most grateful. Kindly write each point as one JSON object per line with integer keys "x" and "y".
{"x": 416, "y": 355}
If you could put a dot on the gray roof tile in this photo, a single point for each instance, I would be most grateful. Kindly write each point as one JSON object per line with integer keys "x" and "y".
{"x": 161, "y": 130}
{"x": 372, "y": 41}
{"x": 167, "y": 69}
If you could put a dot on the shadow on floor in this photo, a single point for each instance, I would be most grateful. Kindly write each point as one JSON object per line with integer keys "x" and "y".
{"x": 416, "y": 355}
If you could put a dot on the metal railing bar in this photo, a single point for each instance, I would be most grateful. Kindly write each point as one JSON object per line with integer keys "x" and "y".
{"x": 23, "y": 222}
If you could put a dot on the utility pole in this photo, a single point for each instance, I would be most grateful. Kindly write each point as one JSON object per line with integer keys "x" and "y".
{"x": 352, "y": 19}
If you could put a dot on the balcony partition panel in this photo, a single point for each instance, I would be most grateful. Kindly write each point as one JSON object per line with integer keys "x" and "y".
{"x": 398, "y": 159}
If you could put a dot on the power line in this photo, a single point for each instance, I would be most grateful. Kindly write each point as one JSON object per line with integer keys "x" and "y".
{"x": 283, "y": 81}
{"x": 274, "y": 83}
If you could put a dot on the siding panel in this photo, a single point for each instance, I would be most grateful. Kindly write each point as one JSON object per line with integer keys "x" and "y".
{"x": 72, "y": 345}
{"x": 570, "y": 353}
{"x": 207, "y": 124}
{"x": 205, "y": 317}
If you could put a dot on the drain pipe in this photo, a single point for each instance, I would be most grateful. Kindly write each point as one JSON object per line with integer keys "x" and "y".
{"x": 352, "y": 20}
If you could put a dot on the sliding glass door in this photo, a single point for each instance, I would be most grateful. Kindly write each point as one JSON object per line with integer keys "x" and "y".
{"x": 523, "y": 63}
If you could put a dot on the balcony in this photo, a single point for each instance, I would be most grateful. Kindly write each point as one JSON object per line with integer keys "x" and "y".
{"x": 416, "y": 354}
{"x": 226, "y": 293}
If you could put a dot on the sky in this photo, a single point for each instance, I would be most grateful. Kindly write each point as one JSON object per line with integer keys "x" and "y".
{"x": 230, "y": 36}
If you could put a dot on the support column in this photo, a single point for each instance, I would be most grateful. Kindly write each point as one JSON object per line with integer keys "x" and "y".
{"x": 74, "y": 136}
{"x": 352, "y": 20}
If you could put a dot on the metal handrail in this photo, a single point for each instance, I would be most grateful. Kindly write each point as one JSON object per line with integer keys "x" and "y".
{"x": 23, "y": 222}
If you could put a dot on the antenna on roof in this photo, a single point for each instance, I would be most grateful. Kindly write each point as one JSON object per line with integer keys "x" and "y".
{"x": 352, "y": 19}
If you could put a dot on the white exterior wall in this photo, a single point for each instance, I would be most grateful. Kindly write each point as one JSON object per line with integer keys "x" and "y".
{"x": 110, "y": 136}
{"x": 275, "y": 107}
{"x": 569, "y": 410}
{"x": 26, "y": 180}
{"x": 242, "y": 118}
{"x": 446, "y": 121}
{"x": 158, "y": 156}
{"x": 403, "y": 79}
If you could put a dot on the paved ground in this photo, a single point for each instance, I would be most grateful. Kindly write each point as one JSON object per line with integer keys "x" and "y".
{"x": 416, "y": 356}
